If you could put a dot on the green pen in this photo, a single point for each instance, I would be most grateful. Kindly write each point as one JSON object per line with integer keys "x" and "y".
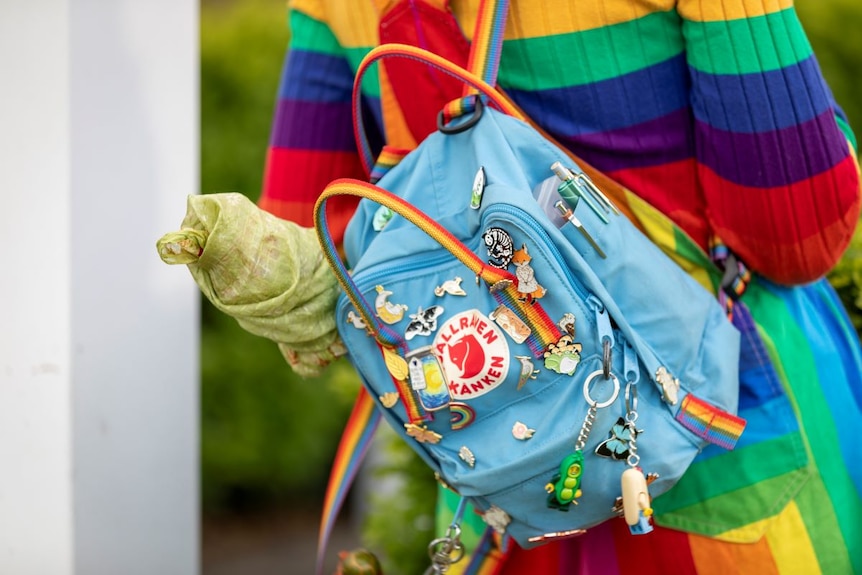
{"x": 571, "y": 190}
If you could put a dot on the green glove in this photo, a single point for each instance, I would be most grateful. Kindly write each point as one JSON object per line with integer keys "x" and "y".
{"x": 267, "y": 273}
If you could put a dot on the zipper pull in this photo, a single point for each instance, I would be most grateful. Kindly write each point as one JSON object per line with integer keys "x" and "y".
{"x": 605, "y": 332}
{"x": 631, "y": 373}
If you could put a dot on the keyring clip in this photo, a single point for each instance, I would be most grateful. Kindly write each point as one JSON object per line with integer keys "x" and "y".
{"x": 592, "y": 402}
{"x": 631, "y": 396}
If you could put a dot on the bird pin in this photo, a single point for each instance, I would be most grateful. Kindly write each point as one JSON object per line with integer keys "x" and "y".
{"x": 356, "y": 320}
{"x": 451, "y": 287}
{"x": 528, "y": 370}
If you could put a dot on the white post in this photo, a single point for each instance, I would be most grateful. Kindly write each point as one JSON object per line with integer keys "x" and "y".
{"x": 98, "y": 338}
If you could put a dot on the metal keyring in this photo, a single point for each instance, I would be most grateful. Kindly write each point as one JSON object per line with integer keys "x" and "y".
{"x": 592, "y": 402}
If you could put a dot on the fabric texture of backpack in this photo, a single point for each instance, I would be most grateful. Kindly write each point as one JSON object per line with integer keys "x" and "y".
{"x": 539, "y": 373}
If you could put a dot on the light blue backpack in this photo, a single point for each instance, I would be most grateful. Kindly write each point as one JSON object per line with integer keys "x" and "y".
{"x": 546, "y": 360}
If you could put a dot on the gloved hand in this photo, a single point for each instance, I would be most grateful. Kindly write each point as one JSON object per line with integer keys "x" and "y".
{"x": 267, "y": 273}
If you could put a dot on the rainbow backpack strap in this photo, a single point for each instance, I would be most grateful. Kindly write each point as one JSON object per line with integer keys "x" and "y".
{"x": 352, "y": 448}
{"x": 484, "y": 58}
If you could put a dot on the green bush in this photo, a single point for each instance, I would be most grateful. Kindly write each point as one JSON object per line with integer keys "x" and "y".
{"x": 839, "y": 52}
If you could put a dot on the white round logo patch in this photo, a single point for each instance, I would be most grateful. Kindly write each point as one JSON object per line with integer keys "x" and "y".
{"x": 474, "y": 354}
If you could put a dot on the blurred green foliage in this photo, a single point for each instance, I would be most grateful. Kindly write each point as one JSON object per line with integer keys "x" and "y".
{"x": 268, "y": 438}
{"x": 399, "y": 522}
{"x": 242, "y": 46}
{"x": 831, "y": 26}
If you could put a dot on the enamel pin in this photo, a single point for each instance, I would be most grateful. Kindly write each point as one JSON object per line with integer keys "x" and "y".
{"x": 451, "y": 287}
{"x": 500, "y": 246}
{"x": 500, "y": 286}
{"x": 356, "y": 320}
{"x": 557, "y": 535}
{"x": 496, "y": 519}
{"x": 478, "y": 188}
{"x": 460, "y": 415}
{"x": 423, "y": 322}
{"x": 521, "y": 431}
{"x": 381, "y": 218}
{"x": 387, "y": 311}
{"x": 509, "y": 322}
{"x": 563, "y": 356}
{"x": 528, "y": 370}
{"x": 669, "y": 385}
{"x": 527, "y": 286}
{"x": 467, "y": 456}
{"x": 389, "y": 399}
{"x": 567, "y": 324}
{"x": 422, "y": 434}
{"x": 427, "y": 380}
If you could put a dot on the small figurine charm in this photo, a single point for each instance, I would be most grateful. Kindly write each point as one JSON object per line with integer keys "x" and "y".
{"x": 565, "y": 486}
{"x": 636, "y": 501}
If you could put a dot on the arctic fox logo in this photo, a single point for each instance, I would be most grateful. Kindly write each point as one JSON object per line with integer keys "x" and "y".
{"x": 468, "y": 355}
{"x": 474, "y": 354}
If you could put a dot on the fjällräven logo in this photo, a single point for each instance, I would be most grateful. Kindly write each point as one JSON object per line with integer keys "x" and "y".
{"x": 474, "y": 354}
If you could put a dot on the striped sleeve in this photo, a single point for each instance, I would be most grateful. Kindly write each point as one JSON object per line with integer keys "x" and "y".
{"x": 779, "y": 175}
{"x": 311, "y": 140}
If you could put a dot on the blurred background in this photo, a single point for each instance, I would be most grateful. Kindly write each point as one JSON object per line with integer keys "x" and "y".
{"x": 268, "y": 437}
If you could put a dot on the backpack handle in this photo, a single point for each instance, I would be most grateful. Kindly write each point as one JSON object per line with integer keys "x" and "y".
{"x": 351, "y": 187}
{"x": 424, "y": 57}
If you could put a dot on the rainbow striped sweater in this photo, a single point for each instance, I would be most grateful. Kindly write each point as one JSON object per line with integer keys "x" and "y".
{"x": 714, "y": 112}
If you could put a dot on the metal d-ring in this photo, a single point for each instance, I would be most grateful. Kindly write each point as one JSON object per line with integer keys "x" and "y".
{"x": 592, "y": 402}
{"x": 462, "y": 126}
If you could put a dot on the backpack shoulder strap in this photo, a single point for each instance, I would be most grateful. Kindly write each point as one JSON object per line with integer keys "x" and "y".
{"x": 352, "y": 448}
